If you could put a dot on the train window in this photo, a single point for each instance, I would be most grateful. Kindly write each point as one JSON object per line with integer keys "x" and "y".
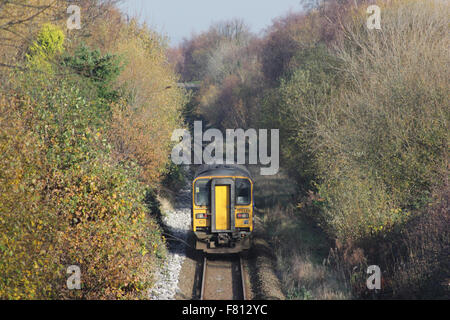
{"x": 202, "y": 192}
{"x": 243, "y": 192}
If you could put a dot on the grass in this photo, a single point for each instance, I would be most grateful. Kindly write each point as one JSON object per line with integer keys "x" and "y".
{"x": 300, "y": 247}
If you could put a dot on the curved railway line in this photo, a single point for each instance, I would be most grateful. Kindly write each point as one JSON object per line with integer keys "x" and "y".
{"x": 223, "y": 278}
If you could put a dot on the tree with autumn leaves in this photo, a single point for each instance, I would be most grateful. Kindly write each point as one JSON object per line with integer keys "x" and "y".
{"x": 363, "y": 119}
{"x": 86, "y": 119}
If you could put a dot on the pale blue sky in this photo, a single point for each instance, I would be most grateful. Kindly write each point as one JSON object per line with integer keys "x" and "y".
{"x": 178, "y": 19}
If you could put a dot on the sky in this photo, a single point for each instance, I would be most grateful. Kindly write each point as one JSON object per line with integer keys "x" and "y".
{"x": 178, "y": 19}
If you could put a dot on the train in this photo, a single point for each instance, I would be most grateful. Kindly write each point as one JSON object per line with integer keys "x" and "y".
{"x": 222, "y": 208}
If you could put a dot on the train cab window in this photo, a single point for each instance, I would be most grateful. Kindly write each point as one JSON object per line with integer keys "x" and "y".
{"x": 202, "y": 192}
{"x": 243, "y": 192}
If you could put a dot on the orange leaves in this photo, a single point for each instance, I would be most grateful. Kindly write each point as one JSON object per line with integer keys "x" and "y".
{"x": 64, "y": 197}
{"x": 141, "y": 128}
{"x": 86, "y": 213}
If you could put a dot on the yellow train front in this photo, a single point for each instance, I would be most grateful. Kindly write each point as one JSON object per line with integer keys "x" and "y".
{"x": 222, "y": 208}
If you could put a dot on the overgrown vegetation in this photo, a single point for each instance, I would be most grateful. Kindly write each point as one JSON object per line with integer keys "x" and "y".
{"x": 86, "y": 118}
{"x": 81, "y": 151}
{"x": 363, "y": 118}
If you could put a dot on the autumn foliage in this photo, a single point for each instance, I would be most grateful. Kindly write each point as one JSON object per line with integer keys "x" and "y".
{"x": 363, "y": 118}
{"x": 85, "y": 123}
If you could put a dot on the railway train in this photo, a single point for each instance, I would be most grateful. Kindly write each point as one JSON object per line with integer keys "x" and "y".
{"x": 222, "y": 208}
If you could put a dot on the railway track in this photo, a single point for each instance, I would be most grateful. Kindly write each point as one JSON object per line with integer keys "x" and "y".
{"x": 223, "y": 278}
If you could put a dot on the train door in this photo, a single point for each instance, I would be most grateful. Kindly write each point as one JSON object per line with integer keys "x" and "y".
{"x": 222, "y": 209}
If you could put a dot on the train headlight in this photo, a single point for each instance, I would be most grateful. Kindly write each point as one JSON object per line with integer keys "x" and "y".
{"x": 201, "y": 216}
{"x": 242, "y": 215}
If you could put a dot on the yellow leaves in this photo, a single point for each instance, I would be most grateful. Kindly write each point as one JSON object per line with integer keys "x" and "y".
{"x": 376, "y": 229}
{"x": 142, "y": 131}
{"x": 396, "y": 210}
{"x": 93, "y": 186}
{"x": 89, "y": 214}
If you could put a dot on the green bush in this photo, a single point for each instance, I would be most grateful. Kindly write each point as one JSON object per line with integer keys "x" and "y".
{"x": 102, "y": 70}
{"x": 70, "y": 203}
{"x": 362, "y": 125}
{"x": 298, "y": 106}
{"x": 364, "y": 130}
{"x": 173, "y": 177}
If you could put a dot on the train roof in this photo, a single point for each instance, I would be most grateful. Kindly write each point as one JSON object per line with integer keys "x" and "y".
{"x": 222, "y": 170}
